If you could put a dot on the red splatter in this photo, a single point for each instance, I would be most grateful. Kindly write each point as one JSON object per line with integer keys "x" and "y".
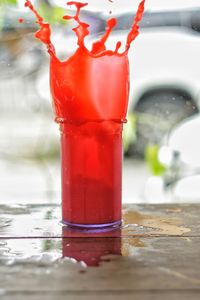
{"x": 20, "y": 20}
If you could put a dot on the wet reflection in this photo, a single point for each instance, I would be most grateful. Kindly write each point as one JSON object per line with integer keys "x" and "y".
{"x": 90, "y": 247}
{"x": 129, "y": 246}
{"x": 44, "y": 221}
{"x": 76, "y": 252}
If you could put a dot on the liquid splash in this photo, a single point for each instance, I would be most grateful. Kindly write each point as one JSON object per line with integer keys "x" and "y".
{"x": 78, "y": 86}
{"x": 82, "y": 30}
{"x": 90, "y": 93}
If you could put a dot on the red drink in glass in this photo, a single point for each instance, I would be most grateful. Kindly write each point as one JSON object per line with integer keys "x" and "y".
{"x": 91, "y": 159}
{"x": 91, "y": 104}
{"x": 90, "y": 96}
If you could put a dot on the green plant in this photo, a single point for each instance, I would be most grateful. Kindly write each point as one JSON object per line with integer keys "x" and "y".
{"x": 52, "y": 14}
{"x": 129, "y": 132}
{"x": 8, "y": 2}
{"x": 151, "y": 157}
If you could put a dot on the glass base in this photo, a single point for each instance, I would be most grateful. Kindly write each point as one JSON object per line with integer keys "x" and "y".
{"x": 92, "y": 226}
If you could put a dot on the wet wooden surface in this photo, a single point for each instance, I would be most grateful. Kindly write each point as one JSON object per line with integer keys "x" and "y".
{"x": 155, "y": 255}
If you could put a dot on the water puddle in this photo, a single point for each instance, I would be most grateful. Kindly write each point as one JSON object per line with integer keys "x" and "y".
{"x": 14, "y": 209}
{"x": 156, "y": 224}
{"x": 82, "y": 251}
{"x": 4, "y": 222}
{"x": 51, "y": 256}
{"x": 79, "y": 262}
{"x": 44, "y": 221}
{"x": 29, "y": 221}
{"x": 78, "y": 246}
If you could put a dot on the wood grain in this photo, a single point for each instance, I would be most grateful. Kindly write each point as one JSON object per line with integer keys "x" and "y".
{"x": 40, "y": 260}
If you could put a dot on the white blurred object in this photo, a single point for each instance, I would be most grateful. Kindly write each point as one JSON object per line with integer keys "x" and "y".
{"x": 165, "y": 155}
{"x": 187, "y": 190}
{"x": 185, "y": 140}
{"x": 181, "y": 156}
{"x": 154, "y": 191}
{"x": 117, "y": 6}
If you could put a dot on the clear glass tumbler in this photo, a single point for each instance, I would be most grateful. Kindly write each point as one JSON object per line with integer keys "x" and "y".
{"x": 91, "y": 159}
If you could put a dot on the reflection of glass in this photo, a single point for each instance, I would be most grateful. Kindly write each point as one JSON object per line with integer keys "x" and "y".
{"x": 90, "y": 247}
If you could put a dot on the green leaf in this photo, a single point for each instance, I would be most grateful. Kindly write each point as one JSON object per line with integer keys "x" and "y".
{"x": 57, "y": 15}
{"x": 129, "y": 132}
{"x": 1, "y": 17}
{"x": 49, "y": 245}
{"x": 151, "y": 157}
{"x": 52, "y": 14}
{"x": 8, "y": 2}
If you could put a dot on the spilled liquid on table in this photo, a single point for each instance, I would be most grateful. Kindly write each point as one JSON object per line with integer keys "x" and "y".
{"x": 158, "y": 224}
{"x": 50, "y": 244}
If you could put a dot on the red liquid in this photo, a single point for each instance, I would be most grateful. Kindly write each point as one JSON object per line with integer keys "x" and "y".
{"x": 90, "y": 97}
{"x": 91, "y": 251}
{"x": 20, "y": 20}
{"x": 91, "y": 172}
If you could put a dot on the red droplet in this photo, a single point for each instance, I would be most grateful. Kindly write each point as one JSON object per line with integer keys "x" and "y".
{"x": 82, "y": 271}
{"x": 112, "y": 23}
{"x": 68, "y": 17}
{"x": 20, "y": 20}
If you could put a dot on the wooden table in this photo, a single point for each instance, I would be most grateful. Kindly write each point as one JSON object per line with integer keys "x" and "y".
{"x": 155, "y": 255}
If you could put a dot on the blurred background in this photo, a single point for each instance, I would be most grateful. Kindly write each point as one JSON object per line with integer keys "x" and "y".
{"x": 161, "y": 143}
